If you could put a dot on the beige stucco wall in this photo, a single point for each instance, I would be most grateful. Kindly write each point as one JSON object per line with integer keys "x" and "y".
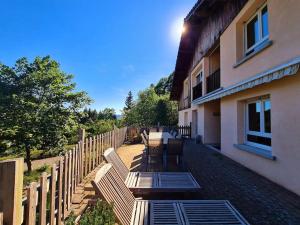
{"x": 200, "y": 119}
{"x": 181, "y": 119}
{"x": 284, "y": 31}
{"x": 285, "y": 125}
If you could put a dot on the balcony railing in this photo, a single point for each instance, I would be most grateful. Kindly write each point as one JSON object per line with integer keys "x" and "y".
{"x": 197, "y": 91}
{"x": 184, "y": 103}
{"x": 213, "y": 81}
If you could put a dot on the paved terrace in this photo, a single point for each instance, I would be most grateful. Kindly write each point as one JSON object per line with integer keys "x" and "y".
{"x": 259, "y": 200}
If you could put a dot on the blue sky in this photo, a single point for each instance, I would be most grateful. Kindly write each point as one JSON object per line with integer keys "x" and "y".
{"x": 110, "y": 46}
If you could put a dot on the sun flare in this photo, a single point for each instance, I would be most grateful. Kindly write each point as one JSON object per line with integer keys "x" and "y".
{"x": 178, "y": 29}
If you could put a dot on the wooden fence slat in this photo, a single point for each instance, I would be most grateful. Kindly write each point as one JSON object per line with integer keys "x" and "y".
{"x": 101, "y": 147}
{"x": 94, "y": 151}
{"x": 90, "y": 154}
{"x": 72, "y": 172}
{"x": 76, "y": 167}
{"x": 1, "y": 218}
{"x": 43, "y": 199}
{"x": 65, "y": 208}
{"x": 31, "y": 204}
{"x": 60, "y": 191}
{"x": 52, "y": 194}
{"x": 86, "y": 157}
{"x": 81, "y": 160}
{"x": 97, "y": 151}
{"x": 11, "y": 190}
{"x": 69, "y": 180}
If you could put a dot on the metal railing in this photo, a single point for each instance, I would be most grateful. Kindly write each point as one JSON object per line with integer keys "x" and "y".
{"x": 197, "y": 91}
{"x": 184, "y": 103}
{"x": 213, "y": 81}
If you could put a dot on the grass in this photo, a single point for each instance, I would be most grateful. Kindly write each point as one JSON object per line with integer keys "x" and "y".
{"x": 36, "y": 154}
{"x": 34, "y": 175}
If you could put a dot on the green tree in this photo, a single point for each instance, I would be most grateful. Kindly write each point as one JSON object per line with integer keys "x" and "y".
{"x": 151, "y": 108}
{"x": 39, "y": 105}
{"x": 129, "y": 101}
{"x": 164, "y": 85}
{"x": 107, "y": 114}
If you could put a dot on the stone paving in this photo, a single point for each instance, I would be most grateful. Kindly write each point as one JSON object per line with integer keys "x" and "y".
{"x": 259, "y": 200}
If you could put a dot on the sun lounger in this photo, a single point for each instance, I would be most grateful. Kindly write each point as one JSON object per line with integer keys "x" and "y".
{"x": 147, "y": 182}
{"x": 130, "y": 211}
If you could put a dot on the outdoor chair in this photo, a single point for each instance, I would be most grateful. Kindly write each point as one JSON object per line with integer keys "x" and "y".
{"x": 110, "y": 186}
{"x": 155, "y": 148}
{"x": 171, "y": 132}
{"x": 178, "y": 136}
{"x": 175, "y": 148}
{"x": 146, "y": 135}
{"x": 145, "y": 141}
{"x": 148, "y": 182}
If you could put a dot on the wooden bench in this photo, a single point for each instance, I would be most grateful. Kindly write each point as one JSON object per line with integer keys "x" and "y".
{"x": 146, "y": 182}
{"x": 129, "y": 211}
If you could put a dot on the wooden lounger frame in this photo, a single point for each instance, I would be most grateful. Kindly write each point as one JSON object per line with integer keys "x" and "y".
{"x": 145, "y": 182}
{"x": 129, "y": 211}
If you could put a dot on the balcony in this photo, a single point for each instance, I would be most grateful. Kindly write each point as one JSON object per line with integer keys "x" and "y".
{"x": 184, "y": 103}
{"x": 213, "y": 81}
{"x": 197, "y": 91}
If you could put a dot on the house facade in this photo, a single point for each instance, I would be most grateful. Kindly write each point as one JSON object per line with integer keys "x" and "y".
{"x": 237, "y": 81}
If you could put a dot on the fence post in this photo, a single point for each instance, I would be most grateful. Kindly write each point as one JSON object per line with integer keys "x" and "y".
{"x": 81, "y": 141}
{"x": 30, "y": 216}
{"x": 11, "y": 187}
{"x": 43, "y": 199}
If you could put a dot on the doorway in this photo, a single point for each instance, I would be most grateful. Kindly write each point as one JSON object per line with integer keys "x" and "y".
{"x": 194, "y": 123}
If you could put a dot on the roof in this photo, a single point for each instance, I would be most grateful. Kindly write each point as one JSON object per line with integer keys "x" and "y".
{"x": 194, "y": 23}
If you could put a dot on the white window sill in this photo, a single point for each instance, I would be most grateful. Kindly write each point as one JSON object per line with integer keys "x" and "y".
{"x": 262, "y": 47}
{"x": 257, "y": 151}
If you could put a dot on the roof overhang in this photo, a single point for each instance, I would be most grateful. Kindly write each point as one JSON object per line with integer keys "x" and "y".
{"x": 194, "y": 23}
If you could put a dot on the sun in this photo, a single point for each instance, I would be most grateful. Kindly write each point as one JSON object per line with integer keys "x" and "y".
{"x": 177, "y": 29}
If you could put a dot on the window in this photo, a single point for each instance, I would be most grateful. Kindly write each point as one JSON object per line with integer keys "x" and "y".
{"x": 199, "y": 77}
{"x": 258, "y": 123}
{"x": 256, "y": 30}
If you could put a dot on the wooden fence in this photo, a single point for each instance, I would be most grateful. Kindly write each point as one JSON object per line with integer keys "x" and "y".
{"x": 49, "y": 200}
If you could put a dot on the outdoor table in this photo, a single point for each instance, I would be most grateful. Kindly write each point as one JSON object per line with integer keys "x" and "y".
{"x": 165, "y": 136}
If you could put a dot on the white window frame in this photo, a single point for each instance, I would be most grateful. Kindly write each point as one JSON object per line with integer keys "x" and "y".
{"x": 262, "y": 132}
{"x": 201, "y": 77}
{"x": 261, "y": 39}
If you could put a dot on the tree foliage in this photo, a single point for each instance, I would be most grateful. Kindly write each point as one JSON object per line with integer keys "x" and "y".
{"x": 128, "y": 101}
{"x": 39, "y": 106}
{"x": 153, "y": 106}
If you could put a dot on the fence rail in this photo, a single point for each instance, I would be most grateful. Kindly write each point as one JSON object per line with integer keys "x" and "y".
{"x": 49, "y": 200}
{"x": 184, "y": 131}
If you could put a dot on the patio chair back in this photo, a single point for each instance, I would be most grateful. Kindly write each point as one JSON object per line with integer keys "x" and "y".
{"x": 155, "y": 147}
{"x": 175, "y": 146}
{"x": 146, "y": 135}
{"x": 111, "y": 187}
{"x": 112, "y": 157}
{"x": 144, "y": 140}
